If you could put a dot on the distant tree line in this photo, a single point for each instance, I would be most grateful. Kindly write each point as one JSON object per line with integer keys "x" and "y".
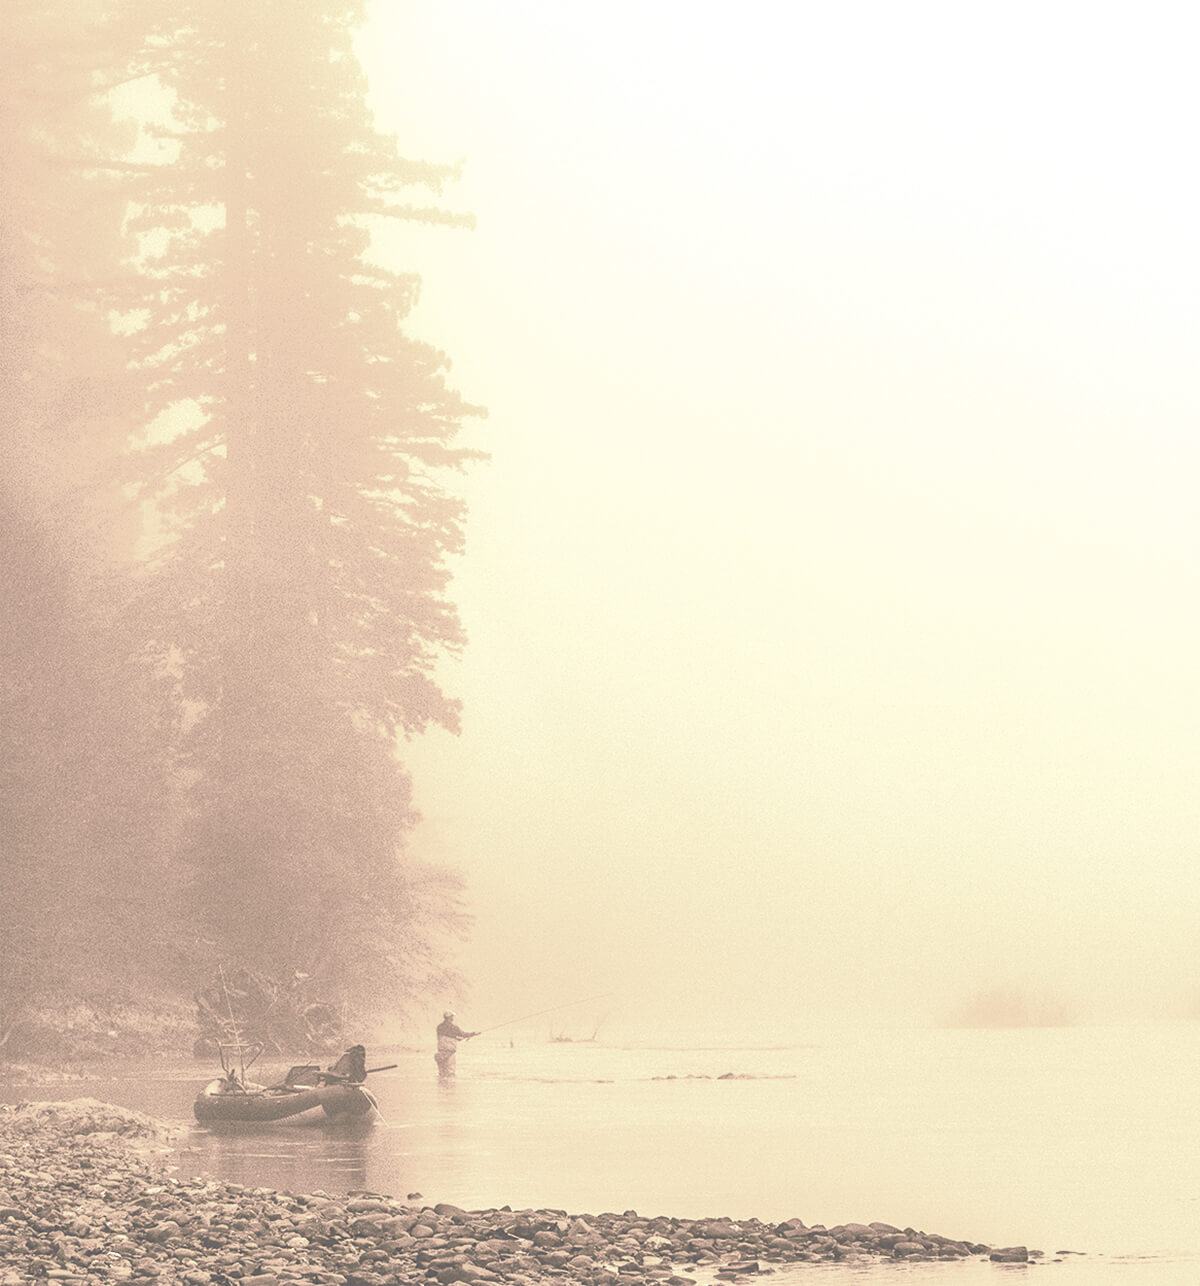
{"x": 224, "y": 512}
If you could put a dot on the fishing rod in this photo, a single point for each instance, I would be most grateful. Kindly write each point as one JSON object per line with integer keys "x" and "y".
{"x": 509, "y": 1022}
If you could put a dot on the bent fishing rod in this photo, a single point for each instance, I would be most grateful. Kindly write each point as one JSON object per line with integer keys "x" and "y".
{"x": 538, "y": 1013}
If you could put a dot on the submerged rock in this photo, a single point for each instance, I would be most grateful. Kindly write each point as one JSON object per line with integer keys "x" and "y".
{"x": 1009, "y": 1255}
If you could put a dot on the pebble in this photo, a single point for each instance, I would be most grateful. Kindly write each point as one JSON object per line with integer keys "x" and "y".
{"x": 86, "y": 1198}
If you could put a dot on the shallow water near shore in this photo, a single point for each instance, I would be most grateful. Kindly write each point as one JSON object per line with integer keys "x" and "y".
{"x": 1078, "y": 1139}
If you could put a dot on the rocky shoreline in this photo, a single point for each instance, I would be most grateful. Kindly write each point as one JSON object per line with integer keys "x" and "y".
{"x": 85, "y": 1197}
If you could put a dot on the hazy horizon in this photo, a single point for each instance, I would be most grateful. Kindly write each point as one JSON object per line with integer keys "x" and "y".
{"x": 833, "y": 586}
{"x": 832, "y": 589}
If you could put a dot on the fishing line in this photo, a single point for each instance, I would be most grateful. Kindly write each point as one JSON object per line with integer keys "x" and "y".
{"x": 538, "y": 1013}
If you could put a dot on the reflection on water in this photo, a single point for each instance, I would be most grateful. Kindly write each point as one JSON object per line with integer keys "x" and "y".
{"x": 1087, "y": 1139}
{"x": 300, "y": 1158}
{"x": 421, "y": 1137}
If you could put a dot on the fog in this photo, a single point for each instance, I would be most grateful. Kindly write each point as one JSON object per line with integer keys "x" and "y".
{"x": 832, "y": 588}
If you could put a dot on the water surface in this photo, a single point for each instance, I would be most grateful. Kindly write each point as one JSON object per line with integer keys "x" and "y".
{"x": 1077, "y": 1139}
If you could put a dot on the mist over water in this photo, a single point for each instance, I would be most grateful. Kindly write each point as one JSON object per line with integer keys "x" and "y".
{"x": 832, "y": 587}
{"x": 1081, "y": 1139}
{"x": 829, "y": 711}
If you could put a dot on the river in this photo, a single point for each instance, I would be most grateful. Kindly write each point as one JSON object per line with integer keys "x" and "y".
{"x": 1083, "y": 1139}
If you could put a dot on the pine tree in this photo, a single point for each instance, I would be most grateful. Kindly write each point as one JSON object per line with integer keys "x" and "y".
{"x": 80, "y": 815}
{"x": 299, "y": 595}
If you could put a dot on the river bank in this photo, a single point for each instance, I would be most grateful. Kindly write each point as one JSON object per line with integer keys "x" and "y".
{"x": 85, "y": 1196}
{"x": 71, "y": 1032}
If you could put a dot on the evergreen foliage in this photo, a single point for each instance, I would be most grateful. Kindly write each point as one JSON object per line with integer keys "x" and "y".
{"x": 81, "y": 787}
{"x": 209, "y": 282}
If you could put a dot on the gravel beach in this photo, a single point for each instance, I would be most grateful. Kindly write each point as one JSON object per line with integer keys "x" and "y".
{"x": 86, "y": 1196}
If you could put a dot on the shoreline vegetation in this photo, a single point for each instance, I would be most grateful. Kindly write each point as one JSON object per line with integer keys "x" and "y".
{"x": 84, "y": 1032}
{"x": 71, "y": 1039}
{"x": 86, "y": 1196}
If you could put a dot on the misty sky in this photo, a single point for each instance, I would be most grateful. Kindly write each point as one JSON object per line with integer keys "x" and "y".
{"x": 832, "y": 590}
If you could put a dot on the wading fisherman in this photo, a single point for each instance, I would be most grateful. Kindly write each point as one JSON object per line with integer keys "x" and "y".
{"x": 448, "y": 1036}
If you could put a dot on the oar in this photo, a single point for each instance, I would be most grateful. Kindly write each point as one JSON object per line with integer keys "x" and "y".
{"x": 345, "y": 1076}
{"x": 538, "y": 1013}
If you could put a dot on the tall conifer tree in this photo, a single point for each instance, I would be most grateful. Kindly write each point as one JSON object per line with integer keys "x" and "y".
{"x": 80, "y": 816}
{"x": 300, "y": 593}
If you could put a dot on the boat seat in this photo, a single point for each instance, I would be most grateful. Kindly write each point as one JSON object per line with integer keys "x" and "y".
{"x": 302, "y": 1074}
{"x": 352, "y": 1066}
